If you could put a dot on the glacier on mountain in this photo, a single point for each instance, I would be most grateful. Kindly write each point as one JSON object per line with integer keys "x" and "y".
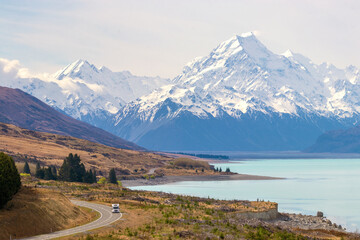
{"x": 242, "y": 81}
{"x": 241, "y": 74}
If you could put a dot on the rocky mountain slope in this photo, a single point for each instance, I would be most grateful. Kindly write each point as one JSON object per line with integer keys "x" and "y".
{"x": 244, "y": 97}
{"x": 23, "y": 110}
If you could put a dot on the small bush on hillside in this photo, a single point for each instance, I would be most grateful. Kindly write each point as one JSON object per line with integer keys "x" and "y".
{"x": 102, "y": 180}
{"x": 9, "y": 179}
{"x": 24, "y": 174}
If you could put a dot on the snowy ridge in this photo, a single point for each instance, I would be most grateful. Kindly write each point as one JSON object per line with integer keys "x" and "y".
{"x": 244, "y": 97}
{"x": 242, "y": 75}
{"x": 86, "y": 92}
{"x": 241, "y": 96}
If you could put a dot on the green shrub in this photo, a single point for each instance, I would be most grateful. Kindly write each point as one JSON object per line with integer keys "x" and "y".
{"x": 102, "y": 180}
{"x": 25, "y": 174}
{"x": 9, "y": 179}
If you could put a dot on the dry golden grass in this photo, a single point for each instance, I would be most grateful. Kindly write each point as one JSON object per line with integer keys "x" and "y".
{"x": 20, "y": 167}
{"x": 51, "y": 149}
{"x": 36, "y": 211}
{"x": 152, "y": 215}
{"x": 190, "y": 163}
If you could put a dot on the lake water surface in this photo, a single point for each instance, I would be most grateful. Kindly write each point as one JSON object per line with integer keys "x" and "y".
{"x": 328, "y": 185}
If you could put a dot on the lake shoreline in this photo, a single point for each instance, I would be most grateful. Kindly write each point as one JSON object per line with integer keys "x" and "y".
{"x": 173, "y": 179}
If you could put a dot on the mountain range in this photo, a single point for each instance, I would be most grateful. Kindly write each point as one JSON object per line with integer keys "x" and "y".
{"x": 241, "y": 96}
{"x": 244, "y": 97}
{"x": 86, "y": 92}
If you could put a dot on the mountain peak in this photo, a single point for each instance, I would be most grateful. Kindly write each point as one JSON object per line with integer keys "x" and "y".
{"x": 288, "y": 53}
{"x": 245, "y": 41}
{"x": 247, "y": 35}
{"x": 73, "y": 69}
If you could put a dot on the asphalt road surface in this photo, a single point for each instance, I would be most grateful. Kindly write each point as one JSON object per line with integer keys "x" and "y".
{"x": 106, "y": 218}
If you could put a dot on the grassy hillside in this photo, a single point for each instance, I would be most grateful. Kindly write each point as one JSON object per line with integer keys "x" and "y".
{"x": 157, "y": 215}
{"x": 24, "y": 110}
{"x": 35, "y": 211}
{"x": 51, "y": 149}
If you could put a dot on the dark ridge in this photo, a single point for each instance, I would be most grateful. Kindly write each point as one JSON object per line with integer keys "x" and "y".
{"x": 25, "y": 111}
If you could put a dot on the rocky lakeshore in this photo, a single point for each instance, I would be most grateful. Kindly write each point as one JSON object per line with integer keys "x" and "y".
{"x": 307, "y": 225}
{"x": 306, "y": 222}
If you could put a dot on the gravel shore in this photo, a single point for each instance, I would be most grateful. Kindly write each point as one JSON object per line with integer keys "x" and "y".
{"x": 172, "y": 179}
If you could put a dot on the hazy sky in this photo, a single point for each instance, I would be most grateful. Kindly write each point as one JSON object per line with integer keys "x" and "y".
{"x": 160, "y": 37}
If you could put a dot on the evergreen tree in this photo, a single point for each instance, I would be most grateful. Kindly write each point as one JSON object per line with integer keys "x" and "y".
{"x": 220, "y": 170}
{"x": 66, "y": 173}
{"x": 48, "y": 175}
{"x": 10, "y": 181}
{"x": 89, "y": 177}
{"x": 227, "y": 169}
{"x": 72, "y": 169}
{"x": 112, "y": 176}
{"x": 94, "y": 176}
{"x": 40, "y": 172}
{"x": 26, "y": 168}
{"x": 54, "y": 172}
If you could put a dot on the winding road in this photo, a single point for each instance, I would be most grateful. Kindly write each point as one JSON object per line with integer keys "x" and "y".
{"x": 106, "y": 218}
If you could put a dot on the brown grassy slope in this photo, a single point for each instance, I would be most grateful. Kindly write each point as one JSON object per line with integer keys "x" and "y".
{"x": 26, "y": 111}
{"x": 36, "y": 211}
{"x": 51, "y": 149}
{"x": 156, "y": 215}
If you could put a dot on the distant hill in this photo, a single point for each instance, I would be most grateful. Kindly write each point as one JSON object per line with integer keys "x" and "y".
{"x": 340, "y": 141}
{"x": 23, "y": 110}
{"x": 51, "y": 149}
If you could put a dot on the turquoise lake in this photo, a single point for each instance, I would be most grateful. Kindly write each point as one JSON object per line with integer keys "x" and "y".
{"x": 328, "y": 185}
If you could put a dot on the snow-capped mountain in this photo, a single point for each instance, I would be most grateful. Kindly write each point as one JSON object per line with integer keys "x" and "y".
{"x": 242, "y": 96}
{"x": 86, "y": 92}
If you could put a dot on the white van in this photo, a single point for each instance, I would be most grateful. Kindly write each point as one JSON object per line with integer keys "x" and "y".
{"x": 115, "y": 208}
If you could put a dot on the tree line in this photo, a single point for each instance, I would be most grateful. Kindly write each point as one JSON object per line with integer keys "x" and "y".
{"x": 220, "y": 170}
{"x": 72, "y": 170}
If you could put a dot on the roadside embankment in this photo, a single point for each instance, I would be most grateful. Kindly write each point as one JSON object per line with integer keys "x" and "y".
{"x": 35, "y": 211}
